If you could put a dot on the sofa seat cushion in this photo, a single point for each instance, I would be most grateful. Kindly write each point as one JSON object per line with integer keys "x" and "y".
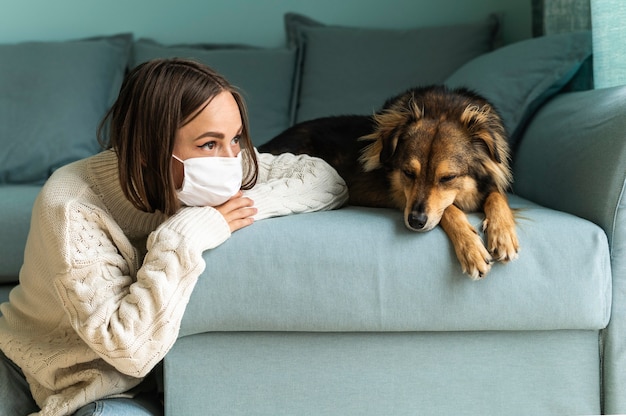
{"x": 360, "y": 269}
{"x": 16, "y": 202}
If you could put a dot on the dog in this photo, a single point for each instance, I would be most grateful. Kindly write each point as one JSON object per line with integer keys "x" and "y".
{"x": 434, "y": 153}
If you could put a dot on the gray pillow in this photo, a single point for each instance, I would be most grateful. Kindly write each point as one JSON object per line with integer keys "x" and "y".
{"x": 348, "y": 70}
{"x": 519, "y": 77}
{"x": 264, "y": 76}
{"x": 52, "y": 98}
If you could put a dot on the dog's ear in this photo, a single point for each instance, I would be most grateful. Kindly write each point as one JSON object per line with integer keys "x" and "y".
{"x": 389, "y": 142}
{"x": 384, "y": 140}
{"x": 389, "y": 124}
{"x": 487, "y": 130}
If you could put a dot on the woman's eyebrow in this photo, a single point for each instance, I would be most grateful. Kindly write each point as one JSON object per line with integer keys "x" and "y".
{"x": 213, "y": 134}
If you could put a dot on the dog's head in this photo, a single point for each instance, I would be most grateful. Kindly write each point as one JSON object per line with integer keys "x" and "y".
{"x": 439, "y": 147}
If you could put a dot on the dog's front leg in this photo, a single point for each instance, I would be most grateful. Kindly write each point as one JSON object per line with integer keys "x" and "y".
{"x": 470, "y": 250}
{"x": 499, "y": 225}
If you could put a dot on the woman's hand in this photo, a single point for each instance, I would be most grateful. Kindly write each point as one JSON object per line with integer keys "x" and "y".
{"x": 237, "y": 211}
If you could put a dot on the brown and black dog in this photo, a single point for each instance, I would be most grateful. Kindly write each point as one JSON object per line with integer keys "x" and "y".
{"x": 434, "y": 153}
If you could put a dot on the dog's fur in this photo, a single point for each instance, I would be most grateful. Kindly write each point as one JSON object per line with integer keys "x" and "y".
{"x": 432, "y": 152}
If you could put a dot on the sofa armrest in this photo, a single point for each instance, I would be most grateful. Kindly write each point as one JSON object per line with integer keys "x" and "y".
{"x": 573, "y": 158}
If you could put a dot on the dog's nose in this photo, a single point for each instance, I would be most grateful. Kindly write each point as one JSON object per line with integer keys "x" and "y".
{"x": 418, "y": 220}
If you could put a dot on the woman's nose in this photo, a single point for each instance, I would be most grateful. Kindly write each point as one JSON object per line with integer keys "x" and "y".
{"x": 228, "y": 152}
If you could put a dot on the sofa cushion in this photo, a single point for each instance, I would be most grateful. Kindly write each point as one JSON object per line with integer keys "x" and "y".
{"x": 264, "y": 76}
{"x": 52, "y": 98}
{"x": 350, "y": 70}
{"x": 520, "y": 77}
{"x": 360, "y": 269}
{"x": 540, "y": 373}
{"x": 16, "y": 203}
{"x": 573, "y": 158}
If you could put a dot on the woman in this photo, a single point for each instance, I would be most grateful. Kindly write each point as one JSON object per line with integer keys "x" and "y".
{"x": 116, "y": 241}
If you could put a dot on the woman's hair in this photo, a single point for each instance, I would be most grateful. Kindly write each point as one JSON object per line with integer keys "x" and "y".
{"x": 156, "y": 99}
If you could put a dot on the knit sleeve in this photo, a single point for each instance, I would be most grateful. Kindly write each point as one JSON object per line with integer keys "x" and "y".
{"x": 290, "y": 184}
{"x": 130, "y": 314}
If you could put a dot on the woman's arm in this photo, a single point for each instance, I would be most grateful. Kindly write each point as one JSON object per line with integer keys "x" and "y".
{"x": 130, "y": 314}
{"x": 290, "y": 184}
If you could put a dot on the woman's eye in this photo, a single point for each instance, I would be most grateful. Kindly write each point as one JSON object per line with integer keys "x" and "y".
{"x": 235, "y": 140}
{"x": 208, "y": 146}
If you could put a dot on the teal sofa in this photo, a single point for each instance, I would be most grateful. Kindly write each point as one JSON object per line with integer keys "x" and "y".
{"x": 347, "y": 312}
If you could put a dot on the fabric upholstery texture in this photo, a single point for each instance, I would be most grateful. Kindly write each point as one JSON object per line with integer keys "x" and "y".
{"x": 52, "y": 98}
{"x": 16, "y": 202}
{"x": 572, "y": 172}
{"x": 528, "y": 73}
{"x": 560, "y": 16}
{"x": 346, "y": 70}
{"x": 609, "y": 37}
{"x": 584, "y": 172}
{"x": 379, "y": 276}
{"x": 372, "y": 374}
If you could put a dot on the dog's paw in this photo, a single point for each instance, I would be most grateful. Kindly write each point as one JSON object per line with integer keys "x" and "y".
{"x": 502, "y": 240}
{"x": 474, "y": 258}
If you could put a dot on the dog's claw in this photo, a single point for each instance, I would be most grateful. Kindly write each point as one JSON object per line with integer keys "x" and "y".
{"x": 504, "y": 250}
{"x": 475, "y": 259}
{"x": 502, "y": 239}
{"x": 476, "y": 263}
{"x": 504, "y": 256}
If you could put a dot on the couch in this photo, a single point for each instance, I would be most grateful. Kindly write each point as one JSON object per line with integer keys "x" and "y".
{"x": 347, "y": 312}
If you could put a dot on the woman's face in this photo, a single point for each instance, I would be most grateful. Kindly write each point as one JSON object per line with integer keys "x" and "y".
{"x": 215, "y": 131}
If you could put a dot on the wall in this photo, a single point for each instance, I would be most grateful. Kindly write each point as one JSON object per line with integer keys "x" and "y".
{"x": 255, "y": 22}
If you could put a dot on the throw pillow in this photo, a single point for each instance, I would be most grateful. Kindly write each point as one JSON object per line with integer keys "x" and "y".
{"x": 519, "y": 77}
{"x": 264, "y": 76}
{"x": 350, "y": 70}
{"x": 52, "y": 98}
{"x": 573, "y": 157}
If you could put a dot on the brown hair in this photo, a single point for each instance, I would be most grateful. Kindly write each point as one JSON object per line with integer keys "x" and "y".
{"x": 156, "y": 99}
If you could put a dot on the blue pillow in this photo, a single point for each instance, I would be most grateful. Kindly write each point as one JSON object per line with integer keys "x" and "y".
{"x": 350, "y": 70}
{"x": 264, "y": 76}
{"x": 52, "y": 98}
{"x": 520, "y": 77}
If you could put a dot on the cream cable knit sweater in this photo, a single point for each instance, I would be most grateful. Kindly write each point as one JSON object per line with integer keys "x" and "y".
{"x": 104, "y": 286}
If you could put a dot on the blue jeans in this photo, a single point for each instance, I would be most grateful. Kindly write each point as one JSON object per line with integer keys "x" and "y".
{"x": 16, "y": 400}
{"x": 15, "y": 397}
{"x": 142, "y": 405}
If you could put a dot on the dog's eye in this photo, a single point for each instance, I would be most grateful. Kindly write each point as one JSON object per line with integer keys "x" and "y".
{"x": 447, "y": 178}
{"x": 409, "y": 174}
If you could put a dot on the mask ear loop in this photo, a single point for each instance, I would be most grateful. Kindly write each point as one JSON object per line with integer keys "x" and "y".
{"x": 180, "y": 160}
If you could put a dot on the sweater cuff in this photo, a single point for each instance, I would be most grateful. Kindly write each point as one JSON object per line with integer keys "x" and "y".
{"x": 203, "y": 227}
{"x": 268, "y": 204}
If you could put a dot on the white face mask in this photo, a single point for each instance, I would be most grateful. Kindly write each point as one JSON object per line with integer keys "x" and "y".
{"x": 210, "y": 181}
